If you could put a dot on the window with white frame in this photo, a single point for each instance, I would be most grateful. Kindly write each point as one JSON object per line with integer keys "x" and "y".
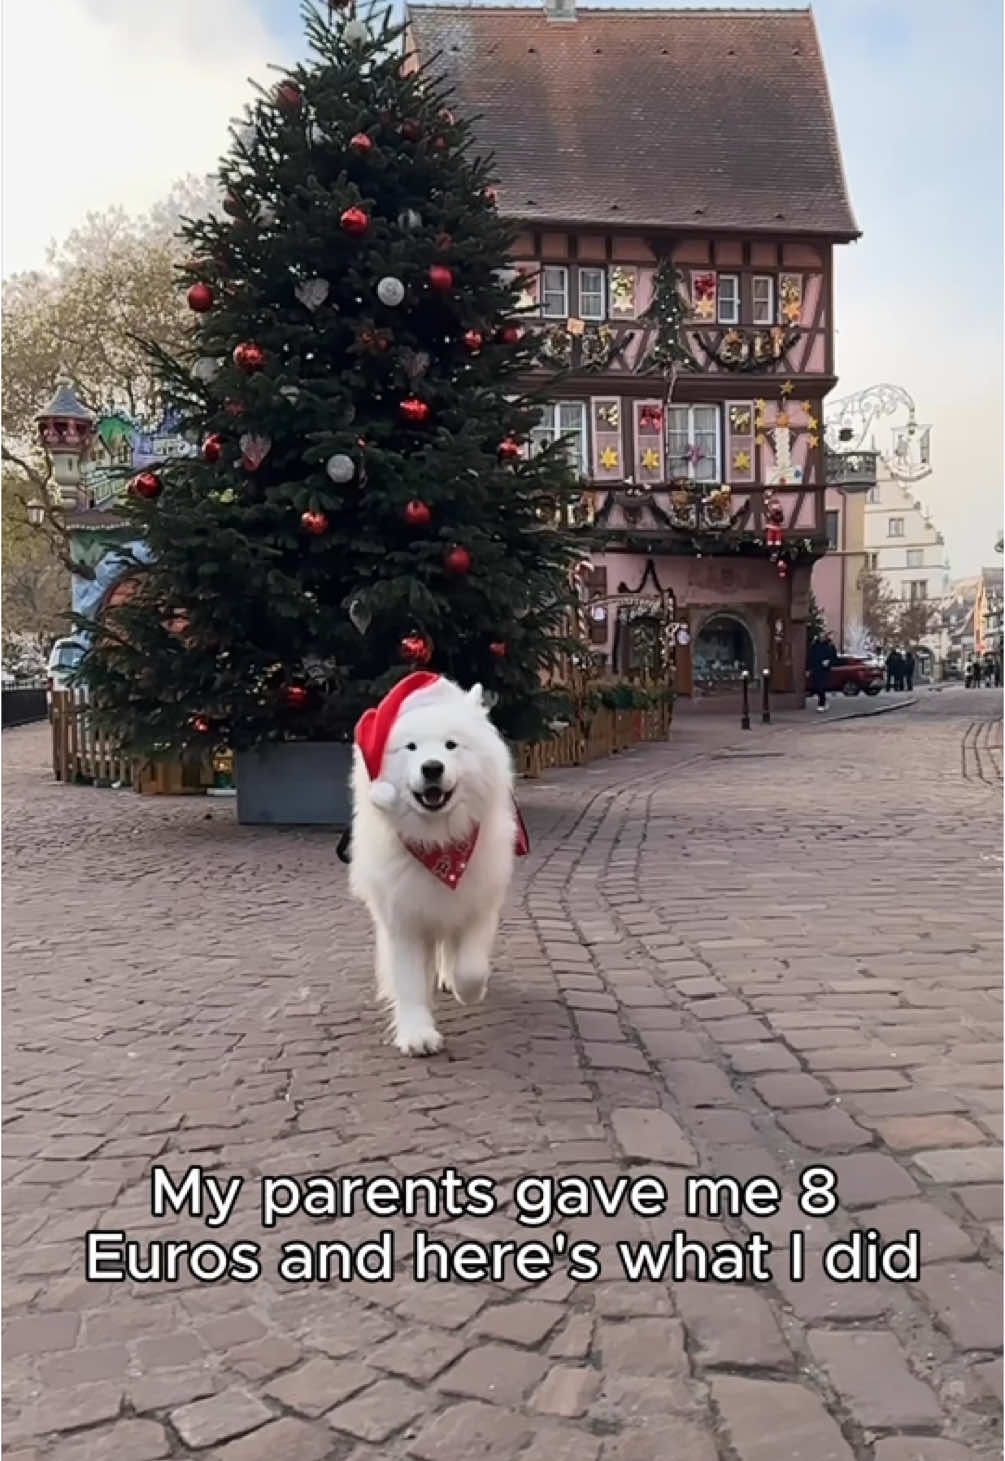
{"x": 872, "y": 495}
{"x": 555, "y": 291}
{"x": 918, "y": 590}
{"x": 693, "y": 442}
{"x": 915, "y": 557}
{"x": 895, "y": 527}
{"x": 563, "y": 419}
{"x": 763, "y": 299}
{"x": 592, "y": 294}
{"x": 728, "y": 288}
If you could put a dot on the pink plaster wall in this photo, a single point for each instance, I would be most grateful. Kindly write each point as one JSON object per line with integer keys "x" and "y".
{"x": 827, "y": 589}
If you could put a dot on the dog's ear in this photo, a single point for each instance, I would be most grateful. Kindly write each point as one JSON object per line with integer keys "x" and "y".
{"x": 475, "y": 695}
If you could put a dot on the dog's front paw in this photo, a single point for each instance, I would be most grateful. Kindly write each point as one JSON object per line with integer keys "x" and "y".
{"x": 417, "y": 1038}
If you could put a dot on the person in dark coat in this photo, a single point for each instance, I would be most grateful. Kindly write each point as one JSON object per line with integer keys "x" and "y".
{"x": 822, "y": 656}
{"x": 894, "y": 669}
{"x": 978, "y": 671}
{"x": 908, "y": 671}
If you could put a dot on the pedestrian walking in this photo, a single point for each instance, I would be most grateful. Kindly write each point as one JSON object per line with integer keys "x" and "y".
{"x": 975, "y": 673}
{"x": 891, "y": 668}
{"x": 822, "y": 656}
{"x": 998, "y": 671}
{"x": 909, "y": 671}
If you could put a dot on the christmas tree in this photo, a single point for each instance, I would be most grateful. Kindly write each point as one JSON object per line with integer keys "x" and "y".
{"x": 360, "y": 500}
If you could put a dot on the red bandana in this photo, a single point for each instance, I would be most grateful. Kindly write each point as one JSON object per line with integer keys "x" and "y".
{"x": 449, "y": 864}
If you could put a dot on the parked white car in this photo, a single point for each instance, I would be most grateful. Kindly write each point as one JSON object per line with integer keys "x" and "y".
{"x": 64, "y": 658}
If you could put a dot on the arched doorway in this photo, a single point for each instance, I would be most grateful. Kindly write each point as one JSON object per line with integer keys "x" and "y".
{"x": 722, "y": 651}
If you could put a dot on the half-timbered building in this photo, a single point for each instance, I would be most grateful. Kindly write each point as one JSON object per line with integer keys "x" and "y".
{"x": 637, "y": 146}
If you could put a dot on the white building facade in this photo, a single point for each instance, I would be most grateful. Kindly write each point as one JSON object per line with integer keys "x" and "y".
{"x": 905, "y": 548}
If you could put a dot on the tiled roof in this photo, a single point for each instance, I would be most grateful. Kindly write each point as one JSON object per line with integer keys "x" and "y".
{"x": 663, "y": 118}
{"x": 65, "y": 404}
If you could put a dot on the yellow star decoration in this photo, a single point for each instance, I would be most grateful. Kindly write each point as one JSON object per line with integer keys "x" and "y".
{"x": 813, "y": 439}
{"x": 759, "y": 407}
{"x": 704, "y": 308}
{"x": 650, "y": 459}
{"x": 811, "y": 422}
{"x": 791, "y": 311}
{"x": 787, "y": 388}
{"x": 760, "y": 440}
{"x": 608, "y": 459}
{"x": 807, "y": 406}
{"x": 741, "y": 461}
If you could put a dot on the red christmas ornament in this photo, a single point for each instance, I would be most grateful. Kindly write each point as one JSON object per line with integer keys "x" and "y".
{"x": 200, "y": 298}
{"x": 361, "y": 144}
{"x": 314, "y": 523}
{"x": 411, "y": 130}
{"x": 783, "y": 568}
{"x": 417, "y": 514}
{"x": 249, "y": 356}
{"x": 457, "y": 562}
{"x": 233, "y": 205}
{"x": 473, "y": 341}
{"x": 234, "y": 408}
{"x": 354, "y": 221}
{"x": 510, "y": 335}
{"x": 147, "y": 485}
{"x": 295, "y": 696}
{"x": 498, "y": 648}
{"x": 447, "y": 116}
{"x": 440, "y": 278}
{"x": 376, "y": 341}
{"x": 414, "y": 411}
{"x": 200, "y": 723}
{"x": 211, "y": 448}
{"x": 440, "y": 144}
{"x": 491, "y": 197}
{"x": 289, "y": 96}
{"x": 417, "y": 648}
{"x": 509, "y": 449}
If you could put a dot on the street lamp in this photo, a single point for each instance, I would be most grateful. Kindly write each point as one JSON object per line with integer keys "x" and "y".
{"x": 35, "y": 510}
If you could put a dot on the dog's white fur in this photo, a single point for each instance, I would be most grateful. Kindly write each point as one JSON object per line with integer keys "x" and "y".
{"x": 427, "y": 933}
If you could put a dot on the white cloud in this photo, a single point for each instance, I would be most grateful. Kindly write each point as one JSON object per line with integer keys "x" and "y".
{"x": 107, "y": 102}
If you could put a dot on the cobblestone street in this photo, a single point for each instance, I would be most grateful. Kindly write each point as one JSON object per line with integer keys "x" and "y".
{"x": 734, "y": 954}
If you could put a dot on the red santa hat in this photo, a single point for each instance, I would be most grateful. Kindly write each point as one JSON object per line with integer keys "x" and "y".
{"x": 374, "y": 727}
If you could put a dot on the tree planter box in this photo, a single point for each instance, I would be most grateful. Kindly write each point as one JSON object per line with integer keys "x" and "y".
{"x": 294, "y": 784}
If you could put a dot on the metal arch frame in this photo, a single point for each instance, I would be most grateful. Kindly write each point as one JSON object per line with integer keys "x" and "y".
{"x": 859, "y": 414}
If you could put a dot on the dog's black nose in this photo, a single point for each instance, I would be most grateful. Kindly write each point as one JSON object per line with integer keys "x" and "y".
{"x": 432, "y": 770}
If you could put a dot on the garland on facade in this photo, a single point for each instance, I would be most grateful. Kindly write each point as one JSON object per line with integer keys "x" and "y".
{"x": 736, "y": 353}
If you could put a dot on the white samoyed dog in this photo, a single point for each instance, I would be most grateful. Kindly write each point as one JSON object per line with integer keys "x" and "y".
{"x": 434, "y": 833}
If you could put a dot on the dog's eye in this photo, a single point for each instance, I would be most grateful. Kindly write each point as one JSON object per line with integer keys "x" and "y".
{"x": 411, "y": 746}
{"x": 450, "y": 745}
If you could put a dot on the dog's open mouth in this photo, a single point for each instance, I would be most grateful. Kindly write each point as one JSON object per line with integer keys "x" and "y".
{"x": 433, "y": 798}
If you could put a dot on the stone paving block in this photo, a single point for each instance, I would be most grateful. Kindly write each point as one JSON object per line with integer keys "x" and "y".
{"x": 319, "y": 1385}
{"x": 494, "y": 1372}
{"x": 661, "y": 1438}
{"x": 787, "y": 1091}
{"x": 966, "y": 1304}
{"x": 566, "y": 1390}
{"x": 284, "y": 1440}
{"x": 66, "y": 1410}
{"x": 982, "y": 1201}
{"x": 472, "y": 1429}
{"x": 731, "y": 1327}
{"x": 375, "y": 1414}
{"x": 769, "y": 1419}
{"x": 940, "y": 1237}
{"x": 961, "y": 1164}
{"x": 922, "y": 1448}
{"x": 525, "y": 1322}
{"x": 649, "y": 1135}
{"x": 221, "y": 1417}
{"x": 911, "y": 1133}
{"x": 869, "y": 1372}
{"x": 830, "y": 1130}
{"x": 129, "y": 1440}
{"x": 870, "y": 1177}
{"x": 642, "y": 1347}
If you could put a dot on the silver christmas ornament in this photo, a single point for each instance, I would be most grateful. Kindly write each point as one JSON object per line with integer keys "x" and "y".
{"x": 290, "y": 393}
{"x": 254, "y": 450}
{"x": 340, "y": 468}
{"x": 312, "y": 293}
{"x": 409, "y": 220}
{"x": 206, "y": 368}
{"x": 390, "y": 291}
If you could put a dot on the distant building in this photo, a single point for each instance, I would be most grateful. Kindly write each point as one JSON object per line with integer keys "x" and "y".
{"x": 908, "y": 552}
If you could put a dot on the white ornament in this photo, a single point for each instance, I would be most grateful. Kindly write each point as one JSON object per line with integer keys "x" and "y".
{"x": 254, "y": 450}
{"x": 409, "y": 220}
{"x": 390, "y": 291}
{"x": 290, "y": 393}
{"x": 683, "y": 637}
{"x": 359, "y": 616}
{"x": 312, "y": 293}
{"x": 340, "y": 467}
{"x": 206, "y": 368}
{"x": 315, "y": 136}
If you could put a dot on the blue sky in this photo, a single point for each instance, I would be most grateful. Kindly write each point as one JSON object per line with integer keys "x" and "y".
{"x": 917, "y": 91}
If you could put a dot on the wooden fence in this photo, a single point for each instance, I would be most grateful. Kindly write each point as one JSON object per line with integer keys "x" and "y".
{"x": 607, "y": 732}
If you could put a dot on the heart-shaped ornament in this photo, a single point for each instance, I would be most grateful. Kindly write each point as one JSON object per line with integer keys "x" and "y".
{"x": 312, "y": 293}
{"x": 359, "y": 616}
{"x": 254, "y": 450}
{"x": 416, "y": 363}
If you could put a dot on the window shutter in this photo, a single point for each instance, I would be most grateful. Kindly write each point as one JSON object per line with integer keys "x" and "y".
{"x": 623, "y": 288}
{"x": 597, "y": 580}
{"x": 649, "y": 458}
{"x": 740, "y": 461}
{"x": 703, "y": 293}
{"x": 528, "y": 282}
{"x": 607, "y": 441}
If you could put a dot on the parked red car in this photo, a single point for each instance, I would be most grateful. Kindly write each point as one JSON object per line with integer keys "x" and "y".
{"x": 849, "y": 675}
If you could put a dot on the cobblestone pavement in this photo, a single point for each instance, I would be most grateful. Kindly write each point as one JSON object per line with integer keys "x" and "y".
{"x": 742, "y": 955}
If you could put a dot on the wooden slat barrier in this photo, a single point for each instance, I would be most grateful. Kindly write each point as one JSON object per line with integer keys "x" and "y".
{"x": 608, "y": 731}
{"x": 83, "y": 754}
